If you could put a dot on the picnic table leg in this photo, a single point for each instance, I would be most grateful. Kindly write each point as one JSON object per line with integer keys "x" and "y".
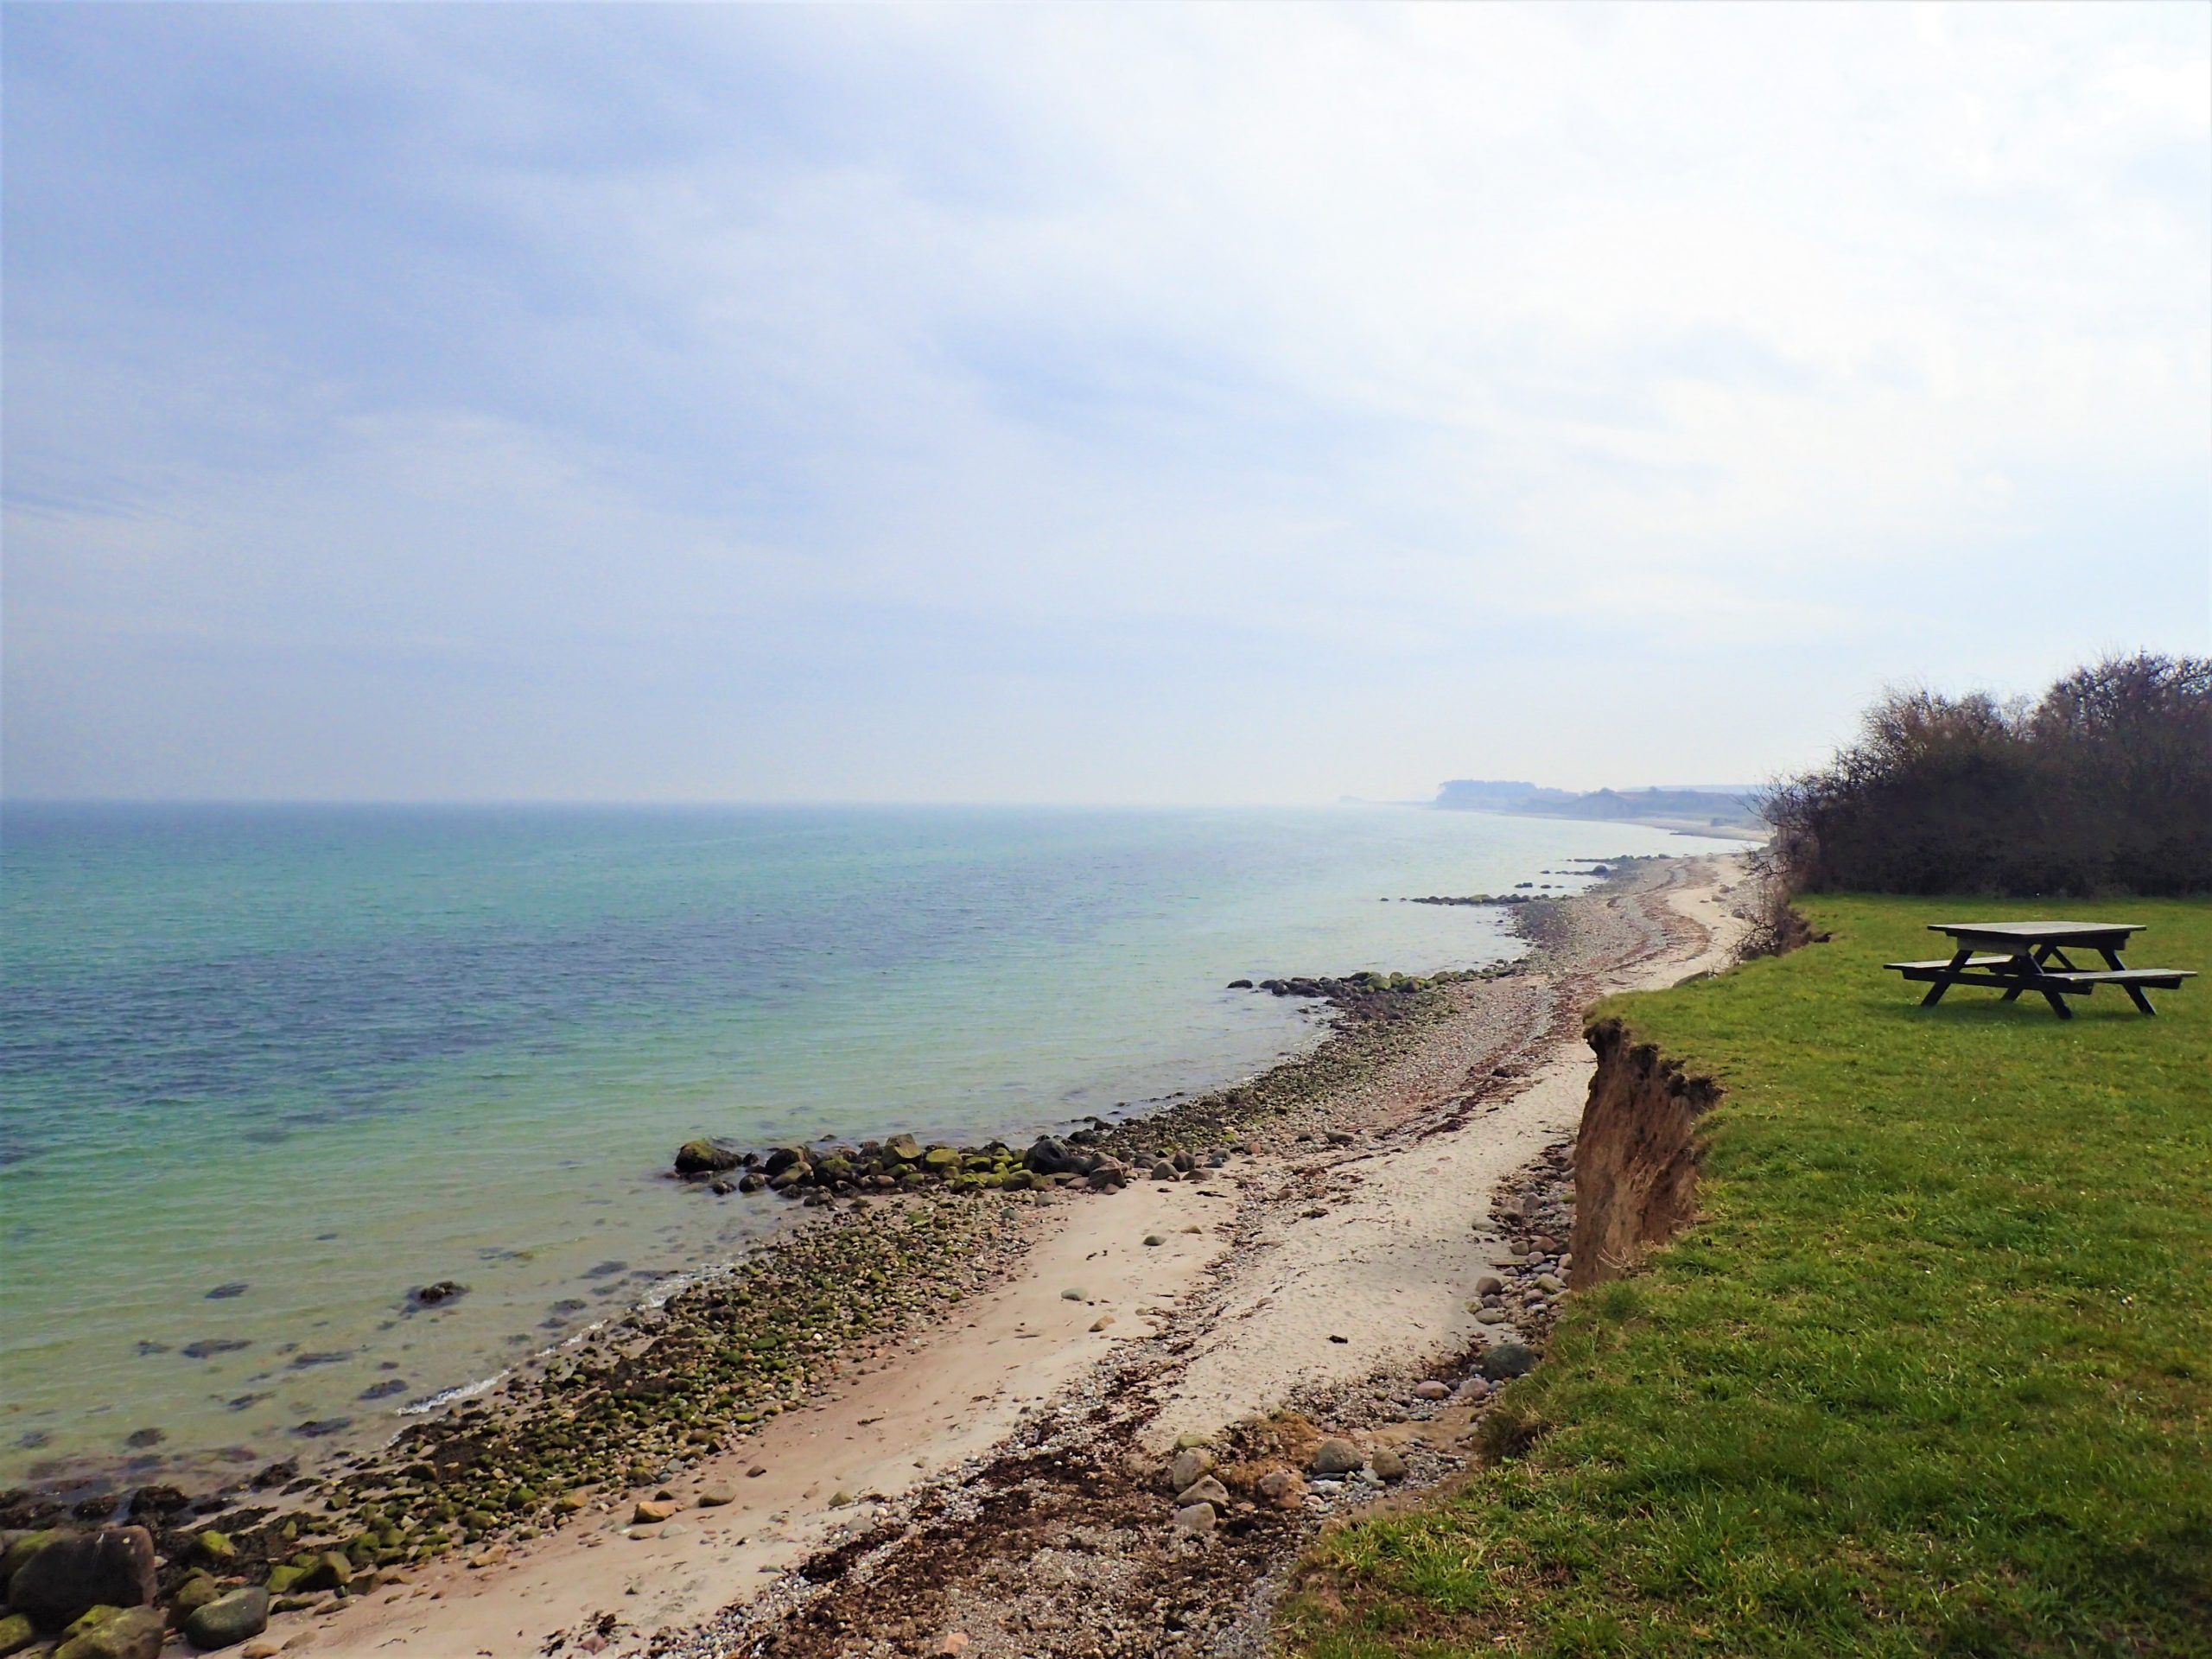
{"x": 2030, "y": 964}
{"x": 1943, "y": 982}
{"x": 2141, "y": 998}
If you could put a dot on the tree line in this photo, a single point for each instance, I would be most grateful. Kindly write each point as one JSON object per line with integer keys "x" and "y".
{"x": 2102, "y": 786}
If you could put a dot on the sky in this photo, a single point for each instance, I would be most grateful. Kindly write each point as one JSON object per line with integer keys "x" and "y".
{"x": 1160, "y": 404}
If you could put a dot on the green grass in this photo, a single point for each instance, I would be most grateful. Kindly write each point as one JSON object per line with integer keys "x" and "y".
{"x": 1932, "y": 1376}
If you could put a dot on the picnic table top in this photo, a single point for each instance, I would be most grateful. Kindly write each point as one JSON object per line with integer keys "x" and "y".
{"x": 2038, "y": 933}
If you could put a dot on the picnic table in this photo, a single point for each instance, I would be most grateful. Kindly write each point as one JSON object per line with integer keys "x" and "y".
{"x": 2020, "y": 958}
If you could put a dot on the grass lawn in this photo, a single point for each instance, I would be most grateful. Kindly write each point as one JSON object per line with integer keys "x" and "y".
{"x": 1934, "y": 1374}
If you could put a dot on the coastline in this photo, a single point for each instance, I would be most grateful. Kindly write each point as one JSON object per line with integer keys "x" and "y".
{"x": 1065, "y": 1301}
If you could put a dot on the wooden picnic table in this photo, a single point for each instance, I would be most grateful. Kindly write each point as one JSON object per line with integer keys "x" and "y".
{"x": 2021, "y": 958}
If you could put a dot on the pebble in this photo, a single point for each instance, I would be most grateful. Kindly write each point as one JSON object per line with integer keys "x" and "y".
{"x": 1102, "y": 1321}
{"x": 1283, "y": 1488}
{"x": 1204, "y": 1490}
{"x": 1070, "y": 1294}
{"x": 1387, "y": 1463}
{"x": 1489, "y": 1316}
{"x": 714, "y": 1497}
{"x": 1431, "y": 1389}
{"x": 1155, "y": 1238}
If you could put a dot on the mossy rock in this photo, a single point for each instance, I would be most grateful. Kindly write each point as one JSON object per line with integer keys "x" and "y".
{"x": 329, "y": 1569}
{"x": 703, "y": 1157}
{"x": 133, "y": 1634}
{"x": 903, "y": 1148}
{"x": 214, "y": 1547}
{"x": 281, "y": 1579}
{"x": 229, "y": 1619}
{"x": 941, "y": 1159}
{"x": 90, "y": 1619}
{"x": 21, "y": 1551}
{"x": 195, "y": 1591}
{"x": 16, "y": 1634}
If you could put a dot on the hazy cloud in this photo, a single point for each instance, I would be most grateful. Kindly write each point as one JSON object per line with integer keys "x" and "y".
{"x": 1157, "y": 403}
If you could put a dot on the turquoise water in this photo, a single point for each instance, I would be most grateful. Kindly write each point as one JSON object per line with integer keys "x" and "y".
{"x": 264, "y": 1070}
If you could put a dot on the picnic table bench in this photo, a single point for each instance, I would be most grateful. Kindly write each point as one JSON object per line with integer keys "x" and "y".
{"x": 2020, "y": 958}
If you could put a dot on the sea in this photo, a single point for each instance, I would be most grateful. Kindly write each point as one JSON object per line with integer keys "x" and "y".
{"x": 265, "y": 1071}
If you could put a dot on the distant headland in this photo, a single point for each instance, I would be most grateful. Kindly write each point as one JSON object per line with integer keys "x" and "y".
{"x": 1707, "y": 809}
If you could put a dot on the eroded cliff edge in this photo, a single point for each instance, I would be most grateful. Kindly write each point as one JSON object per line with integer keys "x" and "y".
{"x": 1637, "y": 1155}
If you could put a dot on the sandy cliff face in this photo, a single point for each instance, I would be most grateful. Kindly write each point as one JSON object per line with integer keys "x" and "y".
{"x": 1636, "y": 1160}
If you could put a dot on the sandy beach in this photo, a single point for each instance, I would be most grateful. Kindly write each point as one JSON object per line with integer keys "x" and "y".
{"x": 1326, "y": 1276}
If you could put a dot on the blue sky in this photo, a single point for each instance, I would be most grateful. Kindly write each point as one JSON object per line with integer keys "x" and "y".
{"x": 1155, "y": 404}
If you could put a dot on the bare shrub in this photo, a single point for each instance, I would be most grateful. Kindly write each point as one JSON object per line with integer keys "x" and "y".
{"x": 1776, "y": 928}
{"x": 2103, "y": 786}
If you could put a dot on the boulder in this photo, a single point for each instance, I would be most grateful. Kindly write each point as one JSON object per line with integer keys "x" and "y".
{"x": 1336, "y": 1456}
{"x": 228, "y": 1620}
{"x": 21, "y": 1548}
{"x": 195, "y": 1593}
{"x": 1284, "y": 1488}
{"x": 941, "y": 1160}
{"x": 134, "y": 1633}
{"x": 1048, "y": 1156}
{"x": 1387, "y": 1463}
{"x": 705, "y": 1157}
{"x": 1430, "y": 1388}
{"x": 327, "y": 1571}
{"x": 1196, "y": 1518}
{"x": 1190, "y": 1464}
{"x": 1508, "y": 1359}
{"x": 782, "y": 1159}
{"x": 651, "y": 1511}
{"x": 903, "y": 1149}
{"x": 1204, "y": 1490}
{"x": 430, "y": 1295}
{"x": 113, "y": 1568}
{"x": 90, "y": 1619}
{"x": 1163, "y": 1171}
{"x": 216, "y": 1546}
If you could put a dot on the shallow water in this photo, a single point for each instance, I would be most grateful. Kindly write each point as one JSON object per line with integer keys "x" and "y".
{"x": 263, "y": 1069}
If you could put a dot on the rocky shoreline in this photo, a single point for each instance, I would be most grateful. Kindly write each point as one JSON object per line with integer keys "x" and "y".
{"x": 907, "y": 1229}
{"x": 903, "y": 1232}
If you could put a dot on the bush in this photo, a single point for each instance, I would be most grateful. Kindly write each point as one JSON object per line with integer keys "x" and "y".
{"x": 2105, "y": 786}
